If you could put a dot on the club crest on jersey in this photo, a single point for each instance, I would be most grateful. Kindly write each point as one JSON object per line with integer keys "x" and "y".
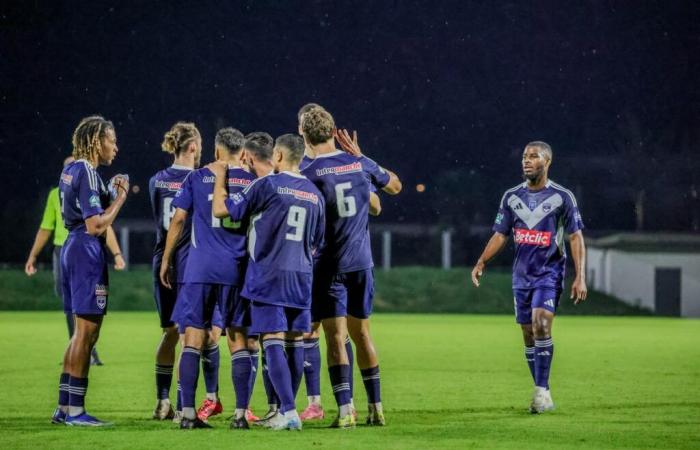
{"x": 532, "y": 204}
{"x": 499, "y": 218}
{"x": 66, "y": 179}
{"x": 546, "y": 207}
{"x": 94, "y": 201}
{"x": 237, "y": 198}
{"x": 533, "y": 237}
{"x": 101, "y": 295}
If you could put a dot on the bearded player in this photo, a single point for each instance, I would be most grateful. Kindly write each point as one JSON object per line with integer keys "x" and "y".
{"x": 539, "y": 212}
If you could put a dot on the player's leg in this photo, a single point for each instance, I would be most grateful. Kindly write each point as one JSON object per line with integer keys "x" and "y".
{"x": 360, "y": 287}
{"x": 195, "y": 314}
{"x": 254, "y": 348}
{"x": 241, "y": 368}
{"x": 87, "y": 331}
{"x": 211, "y": 361}
{"x": 294, "y": 348}
{"x": 522, "y": 302}
{"x": 544, "y": 304}
{"x": 272, "y": 323}
{"x": 61, "y": 411}
{"x": 329, "y": 305}
{"x": 273, "y": 400}
{"x": 165, "y": 351}
{"x": 236, "y": 319}
{"x": 89, "y": 281}
{"x": 335, "y": 330}
{"x": 312, "y": 373}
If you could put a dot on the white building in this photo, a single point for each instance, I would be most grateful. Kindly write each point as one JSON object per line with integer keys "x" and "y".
{"x": 660, "y": 272}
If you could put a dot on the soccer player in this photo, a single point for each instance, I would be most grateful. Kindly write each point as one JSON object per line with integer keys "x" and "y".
{"x": 213, "y": 276}
{"x": 286, "y": 227}
{"x": 258, "y": 157}
{"x": 312, "y": 350}
{"x": 52, "y": 223}
{"x": 184, "y": 143}
{"x": 343, "y": 281}
{"x": 539, "y": 212}
{"x": 88, "y": 209}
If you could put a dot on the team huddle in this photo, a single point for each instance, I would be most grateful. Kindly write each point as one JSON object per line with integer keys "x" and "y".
{"x": 267, "y": 245}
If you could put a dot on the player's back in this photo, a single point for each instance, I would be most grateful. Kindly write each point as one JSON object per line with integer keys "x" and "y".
{"x": 344, "y": 181}
{"x": 286, "y": 226}
{"x": 218, "y": 247}
{"x": 163, "y": 187}
{"x": 82, "y": 194}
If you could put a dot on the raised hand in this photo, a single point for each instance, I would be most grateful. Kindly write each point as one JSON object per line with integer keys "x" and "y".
{"x": 348, "y": 144}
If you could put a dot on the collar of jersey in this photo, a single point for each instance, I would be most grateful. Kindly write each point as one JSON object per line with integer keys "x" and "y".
{"x": 179, "y": 167}
{"x": 327, "y": 155}
{"x": 86, "y": 162}
{"x": 296, "y": 175}
{"x": 546, "y": 185}
{"x": 234, "y": 167}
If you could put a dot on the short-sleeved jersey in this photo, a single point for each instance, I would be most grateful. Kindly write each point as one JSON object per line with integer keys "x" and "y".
{"x": 538, "y": 220}
{"x": 345, "y": 182}
{"x": 286, "y": 227}
{"x": 83, "y": 195}
{"x": 52, "y": 220}
{"x": 217, "y": 252}
{"x": 162, "y": 188}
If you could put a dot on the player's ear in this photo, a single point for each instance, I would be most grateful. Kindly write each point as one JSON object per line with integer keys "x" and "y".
{"x": 216, "y": 153}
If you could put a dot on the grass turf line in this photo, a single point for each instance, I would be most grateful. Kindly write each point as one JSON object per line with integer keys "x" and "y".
{"x": 448, "y": 381}
{"x": 403, "y": 289}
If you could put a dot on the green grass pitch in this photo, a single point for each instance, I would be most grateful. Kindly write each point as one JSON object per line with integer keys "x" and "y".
{"x": 448, "y": 381}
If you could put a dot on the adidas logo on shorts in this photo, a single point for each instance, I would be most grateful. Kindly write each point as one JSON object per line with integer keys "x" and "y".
{"x": 550, "y": 303}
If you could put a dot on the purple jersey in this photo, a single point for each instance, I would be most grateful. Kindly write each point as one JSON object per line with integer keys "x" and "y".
{"x": 286, "y": 226}
{"x": 162, "y": 188}
{"x": 217, "y": 252}
{"x": 345, "y": 183}
{"x": 83, "y": 195}
{"x": 539, "y": 220}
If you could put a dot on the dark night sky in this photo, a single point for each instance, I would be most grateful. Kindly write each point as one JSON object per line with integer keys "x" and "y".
{"x": 446, "y": 93}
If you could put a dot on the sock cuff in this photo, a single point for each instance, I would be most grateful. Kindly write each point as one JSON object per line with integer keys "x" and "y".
{"x": 163, "y": 369}
{"x": 543, "y": 342}
{"x": 240, "y": 354}
{"x": 191, "y": 351}
{"x": 267, "y": 343}
{"x": 529, "y": 350}
{"x": 254, "y": 353}
{"x": 211, "y": 348}
{"x": 293, "y": 344}
{"x": 311, "y": 343}
{"x": 370, "y": 373}
{"x": 347, "y": 340}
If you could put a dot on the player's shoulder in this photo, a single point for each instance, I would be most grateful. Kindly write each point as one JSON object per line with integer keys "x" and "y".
{"x": 515, "y": 190}
{"x": 565, "y": 193}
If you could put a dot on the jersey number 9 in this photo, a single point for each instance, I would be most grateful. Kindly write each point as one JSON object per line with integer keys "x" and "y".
{"x": 296, "y": 218}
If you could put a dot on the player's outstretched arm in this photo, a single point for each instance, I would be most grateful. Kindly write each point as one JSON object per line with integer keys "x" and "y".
{"x": 493, "y": 247}
{"x": 177, "y": 223}
{"x": 98, "y": 224}
{"x": 375, "y": 204}
{"x": 351, "y": 146}
{"x": 115, "y": 250}
{"x": 579, "y": 291}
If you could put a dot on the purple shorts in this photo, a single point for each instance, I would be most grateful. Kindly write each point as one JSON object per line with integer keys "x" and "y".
{"x": 273, "y": 319}
{"x": 165, "y": 298}
{"x": 85, "y": 278}
{"x": 205, "y": 305}
{"x": 526, "y": 299}
{"x": 343, "y": 294}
